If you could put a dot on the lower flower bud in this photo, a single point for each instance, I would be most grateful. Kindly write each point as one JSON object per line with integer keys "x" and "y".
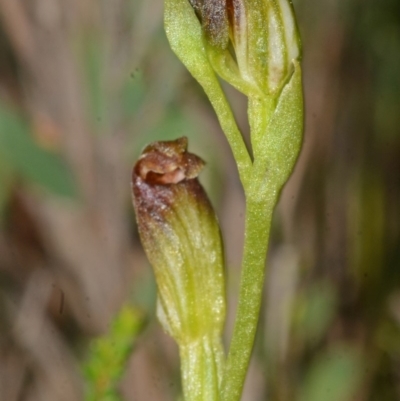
{"x": 181, "y": 237}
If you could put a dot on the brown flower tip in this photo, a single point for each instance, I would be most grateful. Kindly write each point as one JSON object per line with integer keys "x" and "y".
{"x": 214, "y": 19}
{"x": 163, "y": 177}
{"x": 168, "y": 162}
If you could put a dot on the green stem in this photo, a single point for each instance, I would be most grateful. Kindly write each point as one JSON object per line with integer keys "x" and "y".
{"x": 201, "y": 367}
{"x": 228, "y": 124}
{"x": 259, "y": 112}
{"x": 258, "y": 222}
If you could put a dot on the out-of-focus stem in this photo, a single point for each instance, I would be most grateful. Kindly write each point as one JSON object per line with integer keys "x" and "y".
{"x": 258, "y": 222}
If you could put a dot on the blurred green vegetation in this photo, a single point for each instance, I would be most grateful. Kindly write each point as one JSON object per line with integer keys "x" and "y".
{"x": 108, "y": 356}
{"x": 22, "y": 158}
{"x": 334, "y": 376}
{"x": 339, "y": 338}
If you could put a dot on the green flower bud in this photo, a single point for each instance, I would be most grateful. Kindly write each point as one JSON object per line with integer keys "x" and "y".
{"x": 254, "y": 46}
{"x": 250, "y": 43}
{"x": 181, "y": 237}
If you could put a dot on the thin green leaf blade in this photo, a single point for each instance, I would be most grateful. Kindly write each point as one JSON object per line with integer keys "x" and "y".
{"x": 29, "y": 160}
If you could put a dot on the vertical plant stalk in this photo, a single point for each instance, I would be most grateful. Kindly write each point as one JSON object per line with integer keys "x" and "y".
{"x": 257, "y": 229}
{"x": 269, "y": 173}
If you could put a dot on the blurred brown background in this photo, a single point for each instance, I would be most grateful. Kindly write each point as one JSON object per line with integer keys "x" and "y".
{"x": 83, "y": 86}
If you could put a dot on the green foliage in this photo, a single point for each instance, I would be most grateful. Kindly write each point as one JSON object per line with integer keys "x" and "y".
{"x": 334, "y": 376}
{"x": 94, "y": 66}
{"x": 108, "y": 356}
{"x": 133, "y": 93}
{"x": 21, "y": 157}
{"x": 315, "y": 311}
{"x": 7, "y": 179}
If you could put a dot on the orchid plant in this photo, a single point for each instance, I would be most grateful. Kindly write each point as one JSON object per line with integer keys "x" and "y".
{"x": 254, "y": 46}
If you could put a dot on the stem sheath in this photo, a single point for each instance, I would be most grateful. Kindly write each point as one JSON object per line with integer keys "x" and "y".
{"x": 201, "y": 365}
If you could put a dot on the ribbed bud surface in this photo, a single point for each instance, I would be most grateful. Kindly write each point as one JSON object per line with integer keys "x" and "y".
{"x": 181, "y": 237}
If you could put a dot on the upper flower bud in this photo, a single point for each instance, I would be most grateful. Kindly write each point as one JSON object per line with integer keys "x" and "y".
{"x": 181, "y": 237}
{"x": 262, "y": 35}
